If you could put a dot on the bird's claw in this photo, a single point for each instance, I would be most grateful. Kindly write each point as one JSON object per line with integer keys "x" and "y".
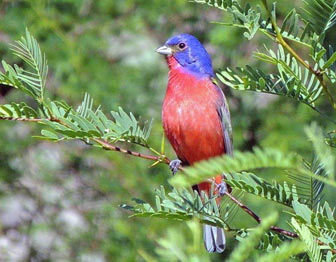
{"x": 221, "y": 188}
{"x": 174, "y": 165}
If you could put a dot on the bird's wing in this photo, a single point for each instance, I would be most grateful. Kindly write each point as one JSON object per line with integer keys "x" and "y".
{"x": 224, "y": 114}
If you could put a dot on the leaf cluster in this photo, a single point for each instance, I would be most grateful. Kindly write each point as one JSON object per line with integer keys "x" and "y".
{"x": 185, "y": 205}
{"x": 62, "y": 122}
{"x": 296, "y": 78}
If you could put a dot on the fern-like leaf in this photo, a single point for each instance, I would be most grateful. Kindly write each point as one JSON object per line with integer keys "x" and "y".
{"x": 247, "y": 247}
{"x": 309, "y": 188}
{"x": 291, "y": 81}
{"x": 299, "y": 83}
{"x": 10, "y": 78}
{"x": 87, "y": 122}
{"x": 284, "y": 252}
{"x": 321, "y": 223}
{"x": 17, "y": 111}
{"x": 320, "y": 14}
{"x": 251, "y": 19}
{"x": 260, "y": 158}
{"x": 29, "y": 51}
{"x": 249, "y": 183}
{"x": 310, "y": 241}
{"x": 323, "y": 152}
{"x": 181, "y": 205}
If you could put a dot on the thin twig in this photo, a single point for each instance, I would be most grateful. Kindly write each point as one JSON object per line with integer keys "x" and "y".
{"x": 106, "y": 145}
{"x": 22, "y": 119}
{"x": 258, "y": 219}
{"x": 284, "y": 232}
{"x": 245, "y": 208}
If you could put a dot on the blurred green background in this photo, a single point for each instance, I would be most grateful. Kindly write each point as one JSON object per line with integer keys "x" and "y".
{"x": 60, "y": 202}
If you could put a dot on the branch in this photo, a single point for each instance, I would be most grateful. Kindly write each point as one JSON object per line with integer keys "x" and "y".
{"x": 258, "y": 219}
{"x": 158, "y": 159}
{"x": 106, "y": 145}
{"x": 22, "y": 119}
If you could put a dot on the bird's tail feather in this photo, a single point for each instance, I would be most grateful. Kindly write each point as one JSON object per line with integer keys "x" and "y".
{"x": 214, "y": 239}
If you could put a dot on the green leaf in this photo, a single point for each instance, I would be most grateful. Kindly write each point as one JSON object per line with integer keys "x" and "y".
{"x": 247, "y": 247}
{"x": 309, "y": 189}
{"x": 29, "y": 51}
{"x": 320, "y": 14}
{"x": 302, "y": 210}
{"x": 310, "y": 241}
{"x": 182, "y": 205}
{"x": 15, "y": 111}
{"x": 242, "y": 161}
{"x": 330, "y": 61}
{"x": 49, "y": 135}
{"x": 321, "y": 223}
{"x": 250, "y": 18}
{"x": 250, "y": 183}
{"x": 291, "y": 81}
{"x": 284, "y": 252}
{"x": 322, "y": 150}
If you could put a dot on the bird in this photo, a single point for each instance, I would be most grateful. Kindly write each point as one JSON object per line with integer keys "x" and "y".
{"x": 196, "y": 117}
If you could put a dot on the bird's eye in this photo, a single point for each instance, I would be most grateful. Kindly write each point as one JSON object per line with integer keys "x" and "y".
{"x": 182, "y": 45}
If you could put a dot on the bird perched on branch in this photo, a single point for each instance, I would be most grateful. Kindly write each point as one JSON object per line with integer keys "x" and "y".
{"x": 195, "y": 116}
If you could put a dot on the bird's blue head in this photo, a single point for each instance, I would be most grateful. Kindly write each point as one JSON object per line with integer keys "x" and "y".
{"x": 189, "y": 53}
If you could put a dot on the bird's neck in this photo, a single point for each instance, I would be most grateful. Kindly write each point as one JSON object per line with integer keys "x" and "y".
{"x": 172, "y": 63}
{"x": 176, "y": 68}
{"x": 182, "y": 82}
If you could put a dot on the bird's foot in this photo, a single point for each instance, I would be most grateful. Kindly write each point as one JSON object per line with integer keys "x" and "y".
{"x": 222, "y": 188}
{"x": 174, "y": 165}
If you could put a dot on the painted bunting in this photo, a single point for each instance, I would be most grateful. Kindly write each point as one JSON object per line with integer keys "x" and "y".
{"x": 195, "y": 116}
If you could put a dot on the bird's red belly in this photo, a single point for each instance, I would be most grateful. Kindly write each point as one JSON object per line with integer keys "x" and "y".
{"x": 193, "y": 128}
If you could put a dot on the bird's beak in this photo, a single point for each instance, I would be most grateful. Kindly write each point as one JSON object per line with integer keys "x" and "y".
{"x": 164, "y": 50}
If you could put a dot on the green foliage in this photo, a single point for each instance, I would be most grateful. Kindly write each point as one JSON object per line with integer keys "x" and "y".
{"x": 310, "y": 189}
{"x": 83, "y": 123}
{"x": 171, "y": 247}
{"x": 182, "y": 205}
{"x": 252, "y": 184}
{"x": 15, "y": 110}
{"x": 290, "y": 81}
{"x": 284, "y": 252}
{"x": 246, "y": 250}
{"x": 32, "y": 82}
{"x": 243, "y": 161}
{"x": 310, "y": 241}
{"x": 313, "y": 225}
{"x": 295, "y": 77}
{"x": 290, "y": 29}
{"x": 29, "y": 51}
{"x": 303, "y": 84}
{"x": 323, "y": 152}
{"x": 87, "y": 122}
{"x": 246, "y": 247}
{"x": 239, "y": 162}
{"x": 320, "y": 14}
{"x": 251, "y": 19}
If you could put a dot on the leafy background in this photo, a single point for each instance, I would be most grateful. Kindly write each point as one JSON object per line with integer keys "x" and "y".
{"x": 60, "y": 202}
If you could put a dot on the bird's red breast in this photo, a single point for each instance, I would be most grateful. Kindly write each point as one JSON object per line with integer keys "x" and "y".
{"x": 190, "y": 117}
